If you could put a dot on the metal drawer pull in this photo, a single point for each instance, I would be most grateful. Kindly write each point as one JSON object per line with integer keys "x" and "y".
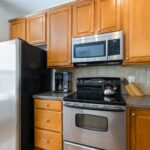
{"x": 46, "y": 120}
{"x": 46, "y": 141}
{"x": 80, "y": 146}
{"x": 46, "y": 104}
{"x": 133, "y": 114}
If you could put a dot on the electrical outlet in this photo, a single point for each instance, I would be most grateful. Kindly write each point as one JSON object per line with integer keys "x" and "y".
{"x": 131, "y": 79}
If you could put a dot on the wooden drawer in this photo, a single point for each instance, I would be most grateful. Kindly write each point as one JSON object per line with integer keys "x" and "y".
{"x": 47, "y": 140}
{"x": 49, "y": 120}
{"x": 54, "y": 105}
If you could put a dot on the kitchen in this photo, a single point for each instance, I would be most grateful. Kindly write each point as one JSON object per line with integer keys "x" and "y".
{"x": 53, "y": 26}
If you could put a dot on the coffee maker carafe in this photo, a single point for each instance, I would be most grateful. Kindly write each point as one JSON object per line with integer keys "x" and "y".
{"x": 62, "y": 81}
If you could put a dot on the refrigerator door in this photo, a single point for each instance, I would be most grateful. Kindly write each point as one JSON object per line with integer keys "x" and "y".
{"x": 9, "y": 99}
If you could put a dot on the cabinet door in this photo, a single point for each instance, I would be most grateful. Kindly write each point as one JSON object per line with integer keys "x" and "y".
{"x": 108, "y": 15}
{"x": 17, "y": 29}
{"x": 83, "y": 18}
{"x": 36, "y": 26}
{"x": 59, "y": 37}
{"x": 139, "y": 129}
{"x": 136, "y": 25}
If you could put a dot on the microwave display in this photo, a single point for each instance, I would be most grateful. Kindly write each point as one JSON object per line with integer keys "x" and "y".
{"x": 88, "y": 50}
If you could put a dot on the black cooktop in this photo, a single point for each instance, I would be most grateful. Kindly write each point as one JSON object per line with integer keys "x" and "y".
{"x": 96, "y": 99}
{"x": 91, "y": 90}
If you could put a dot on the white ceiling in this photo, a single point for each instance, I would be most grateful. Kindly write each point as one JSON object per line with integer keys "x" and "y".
{"x": 24, "y": 7}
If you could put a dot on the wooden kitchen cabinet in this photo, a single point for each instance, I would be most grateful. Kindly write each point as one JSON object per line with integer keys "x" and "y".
{"x": 138, "y": 129}
{"x": 36, "y": 29}
{"x": 136, "y": 26}
{"x": 107, "y": 15}
{"x": 17, "y": 29}
{"x": 48, "y": 124}
{"x": 83, "y": 18}
{"x": 59, "y": 37}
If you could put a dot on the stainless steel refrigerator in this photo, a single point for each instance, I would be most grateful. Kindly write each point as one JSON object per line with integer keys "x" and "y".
{"x": 23, "y": 72}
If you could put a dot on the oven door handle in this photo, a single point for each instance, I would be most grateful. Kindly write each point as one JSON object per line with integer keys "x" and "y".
{"x": 80, "y": 146}
{"x": 100, "y": 108}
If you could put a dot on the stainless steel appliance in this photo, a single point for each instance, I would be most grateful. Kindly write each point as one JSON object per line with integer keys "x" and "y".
{"x": 63, "y": 81}
{"x": 22, "y": 73}
{"x": 106, "y": 47}
{"x": 92, "y": 120}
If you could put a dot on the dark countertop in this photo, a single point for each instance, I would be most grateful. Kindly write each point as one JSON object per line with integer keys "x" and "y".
{"x": 51, "y": 95}
{"x": 142, "y": 102}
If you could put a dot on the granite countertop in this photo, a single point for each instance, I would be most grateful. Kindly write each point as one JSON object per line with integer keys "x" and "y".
{"x": 142, "y": 102}
{"x": 51, "y": 95}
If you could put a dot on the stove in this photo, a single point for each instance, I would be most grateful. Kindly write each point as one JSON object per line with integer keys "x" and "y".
{"x": 91, "y": 115}
{"x": 91, "y": 90}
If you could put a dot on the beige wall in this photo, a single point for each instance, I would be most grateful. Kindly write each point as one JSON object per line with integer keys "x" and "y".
{"x": 141, "y": 73}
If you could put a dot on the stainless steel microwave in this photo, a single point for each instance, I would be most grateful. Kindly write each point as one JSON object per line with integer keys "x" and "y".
{"x": 98, "y": 48}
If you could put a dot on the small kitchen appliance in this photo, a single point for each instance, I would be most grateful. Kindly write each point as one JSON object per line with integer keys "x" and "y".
{"x": 103, "y": 48}
{"x": 62, "y": 81}
{"x": 93, "y": 117}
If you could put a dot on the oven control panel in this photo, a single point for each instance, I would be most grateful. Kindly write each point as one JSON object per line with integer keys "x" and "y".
{"x": 95, "y": 106}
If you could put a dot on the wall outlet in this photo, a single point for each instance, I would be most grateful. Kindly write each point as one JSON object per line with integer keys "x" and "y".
{"x": 131, "y": 79}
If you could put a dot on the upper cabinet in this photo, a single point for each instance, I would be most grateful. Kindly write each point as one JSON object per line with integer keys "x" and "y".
{"x": 36, "y": 29}
{"x": 17, "y": 29}
{"x": 83, "y": 18}
{"x": 107, "y": 15}
{"x": 59, "y": 37}
{"x": 136, "y": 26}
{"x": 93, "y": 17}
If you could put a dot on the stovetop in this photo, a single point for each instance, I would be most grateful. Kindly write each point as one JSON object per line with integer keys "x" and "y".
{"x": 95, "y": 99}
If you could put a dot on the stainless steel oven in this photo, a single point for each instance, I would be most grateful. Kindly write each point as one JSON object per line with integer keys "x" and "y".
{"x": 93, "y": 126}
{"x": 97, "y": 48}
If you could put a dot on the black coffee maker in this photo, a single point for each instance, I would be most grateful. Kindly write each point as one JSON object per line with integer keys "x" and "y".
{"x": 62, "y": 81}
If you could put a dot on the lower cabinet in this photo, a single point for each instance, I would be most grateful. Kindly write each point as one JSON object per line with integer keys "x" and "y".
{"x": 48, "y": 124}
{"x": 138, "y": 129}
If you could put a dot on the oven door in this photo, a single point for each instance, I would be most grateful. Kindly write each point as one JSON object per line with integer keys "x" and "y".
{"x": 89, "y": 51}
{"x": 95, "y": 128}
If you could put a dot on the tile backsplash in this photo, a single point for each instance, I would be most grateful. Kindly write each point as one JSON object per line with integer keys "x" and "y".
{"x": 140, "y": 72}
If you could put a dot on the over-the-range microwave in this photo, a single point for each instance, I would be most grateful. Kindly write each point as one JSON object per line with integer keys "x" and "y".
{"x": 98, "y": 48}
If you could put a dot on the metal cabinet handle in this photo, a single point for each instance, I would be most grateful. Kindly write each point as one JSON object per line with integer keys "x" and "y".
{"x": 46, "y": 141}
{"x": 46, "y": 104}
{"x": 46, "y": 120}
{"x": 127, "y": 58}
{"x": 133, "y": 114}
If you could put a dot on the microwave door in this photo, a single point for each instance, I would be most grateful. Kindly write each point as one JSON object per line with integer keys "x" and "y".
{"x": 90, "y": 52}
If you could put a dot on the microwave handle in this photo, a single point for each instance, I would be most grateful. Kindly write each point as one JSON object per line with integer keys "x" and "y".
{"x": 106, "y": 48}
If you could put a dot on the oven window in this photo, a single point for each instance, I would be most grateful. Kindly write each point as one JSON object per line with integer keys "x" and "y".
{"x": 89, "y": 50}
{"x": 91, "y": 122}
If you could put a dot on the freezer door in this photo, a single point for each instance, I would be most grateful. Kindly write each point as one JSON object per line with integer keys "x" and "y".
{"x": 9, "y": 125}
{"x": 73, "y": 146}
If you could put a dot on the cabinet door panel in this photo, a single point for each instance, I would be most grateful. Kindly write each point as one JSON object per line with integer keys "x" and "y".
{"x": 36, "y": 29}
{"x": 139, "y": 129}
{"x": 137, "y": 30}
{"x": 108, "y": 15}
{"x": 17, "y": 29}
{"x": 59, "y": 37}
{"x": 83, "y": 18}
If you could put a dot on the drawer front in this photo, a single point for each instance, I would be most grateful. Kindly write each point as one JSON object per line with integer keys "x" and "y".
{"x": 49, "y": 120}
{"x": 48, "y": 104}
{"x": 47, "y": 140}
